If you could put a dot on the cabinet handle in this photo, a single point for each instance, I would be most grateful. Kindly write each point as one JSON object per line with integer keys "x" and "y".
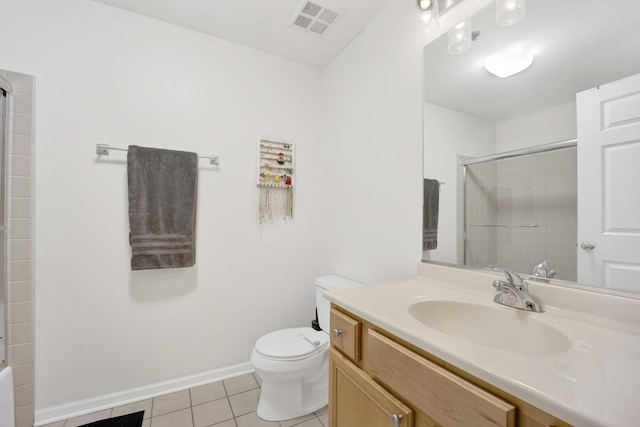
{"x": 337, "y": 332}
{"x": 396, "y": 420}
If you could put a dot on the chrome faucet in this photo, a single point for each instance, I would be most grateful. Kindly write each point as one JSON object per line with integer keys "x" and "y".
{"x": 513, "y": 293}
{"x": 542, "y": 273}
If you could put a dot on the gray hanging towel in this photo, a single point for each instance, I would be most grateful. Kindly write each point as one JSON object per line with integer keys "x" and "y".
{"x": 430, "y": 214}
{"x": 163, "y": 188}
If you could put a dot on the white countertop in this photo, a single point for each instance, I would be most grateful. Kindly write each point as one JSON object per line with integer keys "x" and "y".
{"x": 594, "y": 383}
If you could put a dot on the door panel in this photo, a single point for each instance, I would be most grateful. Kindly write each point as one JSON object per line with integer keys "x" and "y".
{"x": 608, "y": 177}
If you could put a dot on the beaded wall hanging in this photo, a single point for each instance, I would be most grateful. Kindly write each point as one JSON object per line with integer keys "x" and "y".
{"x": 275, "y": 181}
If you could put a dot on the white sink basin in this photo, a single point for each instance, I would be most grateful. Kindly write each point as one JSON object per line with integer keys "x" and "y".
{"x": 497, "y": 327}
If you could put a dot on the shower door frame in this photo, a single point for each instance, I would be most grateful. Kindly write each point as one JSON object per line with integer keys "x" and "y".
{"x": 5, "y": 89}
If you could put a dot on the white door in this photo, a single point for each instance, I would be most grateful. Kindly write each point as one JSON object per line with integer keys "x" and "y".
{"x": 609, "y": 185}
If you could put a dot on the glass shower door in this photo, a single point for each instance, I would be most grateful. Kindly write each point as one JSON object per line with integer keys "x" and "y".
{"x": 521, "y": 210}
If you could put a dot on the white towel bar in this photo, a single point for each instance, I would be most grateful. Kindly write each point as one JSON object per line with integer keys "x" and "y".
{"x": 103, "y": 150}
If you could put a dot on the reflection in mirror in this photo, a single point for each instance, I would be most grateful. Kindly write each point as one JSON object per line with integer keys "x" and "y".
{"x": 503, "y": 150}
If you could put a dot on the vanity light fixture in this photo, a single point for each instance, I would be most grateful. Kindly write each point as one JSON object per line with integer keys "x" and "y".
{"x": 460, "y": 37}
{"x": 429, "y": 17}
{"x": 509, "y": 62}
{"x": 508, "y": 12}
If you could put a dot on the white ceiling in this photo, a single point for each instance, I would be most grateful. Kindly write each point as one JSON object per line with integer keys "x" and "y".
{"x": 262, "y": 24}
{"x": 578, "y": 44}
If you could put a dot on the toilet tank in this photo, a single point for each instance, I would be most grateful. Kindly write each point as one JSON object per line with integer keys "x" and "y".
{"x": 323, "y": 305}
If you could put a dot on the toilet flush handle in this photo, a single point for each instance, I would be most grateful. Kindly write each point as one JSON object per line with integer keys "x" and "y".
{"x": 337, "y": 332}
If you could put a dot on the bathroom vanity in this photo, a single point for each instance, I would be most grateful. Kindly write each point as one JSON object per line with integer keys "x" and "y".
{"x": 436, "y": 351}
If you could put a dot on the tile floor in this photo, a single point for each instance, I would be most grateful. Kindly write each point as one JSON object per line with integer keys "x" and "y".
{"x": 228, "y": 403}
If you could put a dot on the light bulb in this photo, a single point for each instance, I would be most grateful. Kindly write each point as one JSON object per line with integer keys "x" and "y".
{"x": 429, "y": 19}
{"x": 508, "y": 12}
{"x": 460, "y": 37}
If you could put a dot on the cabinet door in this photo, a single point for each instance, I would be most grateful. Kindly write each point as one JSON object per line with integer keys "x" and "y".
{"x": 355, "y": 400}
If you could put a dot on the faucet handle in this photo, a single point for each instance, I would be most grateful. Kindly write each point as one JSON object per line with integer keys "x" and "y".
{"x": 512, "y": 277}
{"x": 499, "y": 285}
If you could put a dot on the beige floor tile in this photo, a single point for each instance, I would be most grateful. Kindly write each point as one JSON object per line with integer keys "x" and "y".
{"x": 296, "y": 421}
{"x": 240, "y": 384}
{"x": 170, "y": 403}
{"x": 324, "y": 419}
{"x": 258, "y": 378}
{"x": 311, "y": 423}
{"x": 144, "y": 405}
{"x": 89, "y": 418}
{"x": 180, "y": 418}
{"x": 211, "y": 408}
{"x": 211, "y": 413}
{"x": 207, "y": 393}
{"x": 252, "y": 420}
{"x": 244, "y": 403}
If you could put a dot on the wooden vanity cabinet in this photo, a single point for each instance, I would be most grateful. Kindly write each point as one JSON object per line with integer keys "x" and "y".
{"x": 377, "y": 380}
{"x": 358, "y": 401}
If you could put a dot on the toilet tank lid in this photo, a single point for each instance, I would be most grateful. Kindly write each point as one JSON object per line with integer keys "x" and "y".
{"x": 335, "y": 282}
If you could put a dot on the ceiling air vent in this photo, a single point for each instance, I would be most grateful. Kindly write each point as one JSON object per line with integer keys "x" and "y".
{"x": 314, "y": 16}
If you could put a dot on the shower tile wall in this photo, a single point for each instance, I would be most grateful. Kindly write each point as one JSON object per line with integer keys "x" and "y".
{"x": 562, "y": 232}
{"x": 534, "y": 190}
{"x": 521, "y": 203}
{"x": 480, "y": 206}
{"x": 19, "y": 242}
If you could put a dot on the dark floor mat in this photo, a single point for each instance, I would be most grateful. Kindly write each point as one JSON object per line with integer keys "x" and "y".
{"x": 130, "y": 420}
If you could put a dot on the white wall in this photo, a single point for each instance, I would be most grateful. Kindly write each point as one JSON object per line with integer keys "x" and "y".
{"x": 372, "y": 137}
{"x": 542, "y": 127}
{"x": 372, "y": 149}
{"x": 107, "y": 76}
{"x": 447, "y": 135}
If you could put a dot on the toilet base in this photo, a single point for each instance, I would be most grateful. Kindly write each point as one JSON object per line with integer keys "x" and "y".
{"x": 284, "y": 400}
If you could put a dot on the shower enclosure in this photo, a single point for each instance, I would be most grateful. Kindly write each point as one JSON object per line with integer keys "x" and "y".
{"x": 520, "y": 208}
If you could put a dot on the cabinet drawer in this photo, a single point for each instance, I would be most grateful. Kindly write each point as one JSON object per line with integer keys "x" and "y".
{"x": 448, "y": 399}
{"x": 345, "y": 334}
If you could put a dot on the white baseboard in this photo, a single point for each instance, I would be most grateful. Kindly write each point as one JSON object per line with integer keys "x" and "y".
{"x": 111, "y": 400}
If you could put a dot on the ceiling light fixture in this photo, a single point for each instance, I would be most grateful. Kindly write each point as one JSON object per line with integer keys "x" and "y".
{"x": 460, "y": 37}
{"x": 509, "y": 62}
{"x": 429, "y": 17}
{"x": 508, "y": 12}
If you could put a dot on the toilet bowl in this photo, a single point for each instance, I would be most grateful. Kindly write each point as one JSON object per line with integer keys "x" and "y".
{"x": 294, "y": 363}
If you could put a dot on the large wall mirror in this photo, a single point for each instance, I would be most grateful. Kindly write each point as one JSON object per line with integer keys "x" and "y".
{"x": 504, "y": 182}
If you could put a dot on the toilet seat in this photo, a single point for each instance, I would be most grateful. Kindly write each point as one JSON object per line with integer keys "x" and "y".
{"x": 291, "y": 344}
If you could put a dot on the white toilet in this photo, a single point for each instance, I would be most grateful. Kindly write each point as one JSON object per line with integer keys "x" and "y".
{"x": 294, "y": 363}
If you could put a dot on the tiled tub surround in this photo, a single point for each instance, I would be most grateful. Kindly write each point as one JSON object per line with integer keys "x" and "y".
{"x": 19, "y": 242}
{"x": 228, "y": 403}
